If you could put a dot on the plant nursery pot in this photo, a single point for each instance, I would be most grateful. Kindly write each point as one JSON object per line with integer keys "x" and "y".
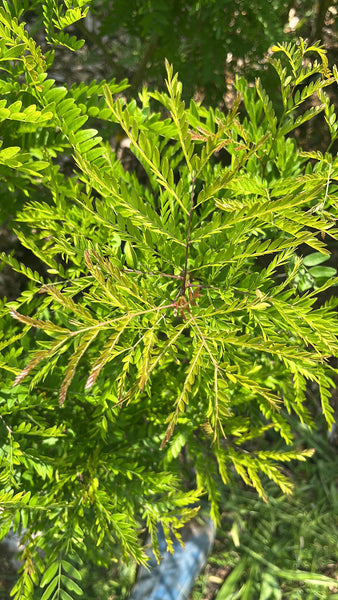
{"x": 175, "y": 575}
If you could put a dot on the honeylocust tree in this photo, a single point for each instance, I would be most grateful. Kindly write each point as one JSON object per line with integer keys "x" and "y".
{"x": 164, "y": 340}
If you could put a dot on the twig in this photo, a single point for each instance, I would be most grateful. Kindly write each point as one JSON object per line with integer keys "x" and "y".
{"x": 10, "y": 431}
{"x": 185, "y": 271}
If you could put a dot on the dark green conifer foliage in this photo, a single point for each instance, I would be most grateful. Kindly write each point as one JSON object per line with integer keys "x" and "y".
{"x": 168, "y": 334}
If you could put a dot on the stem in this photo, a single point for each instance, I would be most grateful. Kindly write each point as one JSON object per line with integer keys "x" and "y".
{"x": 204, "y": 341}
{"x": 10, "y": 431}
{"x": 130, "y": 316}
{"x": 151, "y": 273}
{"x": 327, "y": 187}
{"x": 185, "y": 270}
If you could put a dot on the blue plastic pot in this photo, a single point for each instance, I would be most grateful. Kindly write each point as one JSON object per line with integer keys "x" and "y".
{"x": 174, "y": 577}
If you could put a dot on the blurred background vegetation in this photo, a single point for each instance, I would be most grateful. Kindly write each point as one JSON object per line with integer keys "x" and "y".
{"x": 207, "y": 41}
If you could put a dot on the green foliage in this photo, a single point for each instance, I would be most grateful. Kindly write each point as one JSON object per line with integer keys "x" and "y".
{"x": 169, "y": 334}
{"x": 286, "y": 548}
